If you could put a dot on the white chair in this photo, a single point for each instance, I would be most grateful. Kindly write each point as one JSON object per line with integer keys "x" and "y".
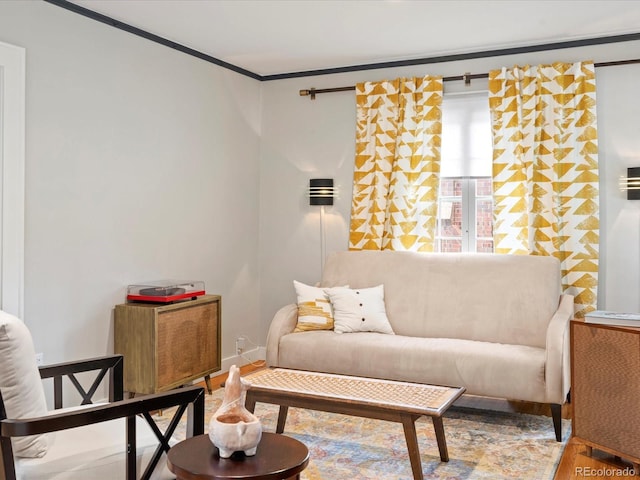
{"x": 93, "y": 441}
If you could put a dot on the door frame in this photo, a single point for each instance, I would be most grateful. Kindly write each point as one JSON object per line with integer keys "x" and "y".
{"x": 12, "y": 171}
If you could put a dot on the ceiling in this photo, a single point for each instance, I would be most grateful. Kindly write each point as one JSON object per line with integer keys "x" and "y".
{"x": 269, "y": 37}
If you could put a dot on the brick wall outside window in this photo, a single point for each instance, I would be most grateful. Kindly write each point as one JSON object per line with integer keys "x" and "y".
{"x": 484, "y": 216}
{"x": 451, "y": 216}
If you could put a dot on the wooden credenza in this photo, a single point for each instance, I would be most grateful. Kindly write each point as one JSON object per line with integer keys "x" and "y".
{"x": 605, "y": 388}
{"x": 167, "y": 346}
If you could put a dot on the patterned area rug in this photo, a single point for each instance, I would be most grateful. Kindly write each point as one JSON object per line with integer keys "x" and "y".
{"x": 482, "y": 444}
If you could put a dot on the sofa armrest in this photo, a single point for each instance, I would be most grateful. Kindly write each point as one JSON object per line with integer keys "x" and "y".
{"x": 283, "y": 323}
{"x": 557, "y": 364}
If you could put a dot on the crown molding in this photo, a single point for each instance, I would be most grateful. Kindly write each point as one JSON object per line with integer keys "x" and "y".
{"x": 350, "y": 68}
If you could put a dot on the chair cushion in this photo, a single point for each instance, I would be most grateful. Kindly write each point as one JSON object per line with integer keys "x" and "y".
{"x": 93, "y": 452}
{"x": 20, "y": 383}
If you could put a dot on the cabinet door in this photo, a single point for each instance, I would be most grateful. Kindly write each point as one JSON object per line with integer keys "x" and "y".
{"x": 606, "y": 387}
{"x": 186, "y": 344}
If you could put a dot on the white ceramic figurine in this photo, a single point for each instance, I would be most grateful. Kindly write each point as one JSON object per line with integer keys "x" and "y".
{"x": 233, "y": 428}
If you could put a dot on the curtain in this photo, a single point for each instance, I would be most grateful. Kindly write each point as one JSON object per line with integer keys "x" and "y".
{"x": 397, "y": 164}
{"x": 545, "y": 170}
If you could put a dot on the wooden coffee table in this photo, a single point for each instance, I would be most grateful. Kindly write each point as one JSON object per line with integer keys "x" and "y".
{"x": 278, "y": 457}
{"x": 401, "y": 402}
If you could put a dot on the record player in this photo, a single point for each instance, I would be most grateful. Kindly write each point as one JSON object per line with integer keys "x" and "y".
{"x": 165, "y": 291}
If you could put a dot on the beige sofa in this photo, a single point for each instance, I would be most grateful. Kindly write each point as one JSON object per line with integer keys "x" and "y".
{"x": 495, "y": 324}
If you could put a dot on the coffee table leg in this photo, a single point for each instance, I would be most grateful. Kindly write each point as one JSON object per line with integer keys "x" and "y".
{"x": 438, "y": 427}
{"x": 250, "y": 403}
{"x": 282, "y": 418}
{"x": 409, "y": 425}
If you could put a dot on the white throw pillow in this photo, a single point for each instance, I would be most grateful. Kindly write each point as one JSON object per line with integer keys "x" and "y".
{"x": 20, "y": 383}
{"x": 314, "y": 308}
{"x": 359, "y": 310}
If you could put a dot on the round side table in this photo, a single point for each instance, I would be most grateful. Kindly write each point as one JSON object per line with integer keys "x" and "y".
{"x": 278, "y": 457}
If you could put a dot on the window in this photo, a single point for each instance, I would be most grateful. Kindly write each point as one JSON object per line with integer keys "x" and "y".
{"x": 465, "y": 204}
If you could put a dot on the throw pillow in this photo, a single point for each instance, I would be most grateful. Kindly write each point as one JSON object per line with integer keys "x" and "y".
{"x": 314, "y": 308}
{"x": 359, "y": 310}
{"x": 20, "y": 383}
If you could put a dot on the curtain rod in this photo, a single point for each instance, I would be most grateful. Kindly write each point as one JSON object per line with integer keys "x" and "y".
{"x": 467, "y": 77}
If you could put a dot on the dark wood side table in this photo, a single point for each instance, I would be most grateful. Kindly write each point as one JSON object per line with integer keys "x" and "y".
{"x": 278, "y": 457}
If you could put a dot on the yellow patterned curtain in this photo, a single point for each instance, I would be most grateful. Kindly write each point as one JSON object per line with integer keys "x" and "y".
{"x": 397, "y": 165}
{"x": 545, "y": 169}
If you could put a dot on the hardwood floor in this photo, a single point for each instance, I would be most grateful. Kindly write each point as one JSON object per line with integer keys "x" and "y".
{"x": 575, "y": 463}
{"x": 244, "y": 370}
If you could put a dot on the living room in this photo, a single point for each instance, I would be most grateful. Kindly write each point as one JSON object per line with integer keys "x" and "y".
{"x": 143, "y": 163}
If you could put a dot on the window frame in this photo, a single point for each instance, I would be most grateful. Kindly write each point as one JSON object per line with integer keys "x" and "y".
{"x": 469, "y": 201}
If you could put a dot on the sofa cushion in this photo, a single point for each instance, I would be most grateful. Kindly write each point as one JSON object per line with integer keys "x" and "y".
{"x": 314, "y": 308}
{"x": 506, "y": 299}
{"x": 20, "y": 383}
{"x": 359, "y": 310}
{"x": 484, "y": 368}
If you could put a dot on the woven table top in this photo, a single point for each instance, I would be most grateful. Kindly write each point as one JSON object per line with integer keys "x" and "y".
{"x": 415, "y": 396}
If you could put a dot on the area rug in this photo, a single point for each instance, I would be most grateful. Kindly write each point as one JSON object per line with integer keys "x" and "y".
{"x": 482, "y": 444}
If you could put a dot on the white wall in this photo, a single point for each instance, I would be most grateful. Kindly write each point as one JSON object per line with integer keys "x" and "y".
{"x": 144, "y": 163}
{"x": 141, "y": 164}
{"x": 305, "y": 138}
{"x": 619, "y": 142}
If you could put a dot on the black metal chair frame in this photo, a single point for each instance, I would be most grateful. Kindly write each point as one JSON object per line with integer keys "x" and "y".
{"x": 189, "y": 398}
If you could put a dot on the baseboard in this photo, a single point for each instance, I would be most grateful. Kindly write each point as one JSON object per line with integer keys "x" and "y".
{"x": 250, "y": 356}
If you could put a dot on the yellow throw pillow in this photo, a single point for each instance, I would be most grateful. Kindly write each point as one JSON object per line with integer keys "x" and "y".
{"x": 314, "y": 308}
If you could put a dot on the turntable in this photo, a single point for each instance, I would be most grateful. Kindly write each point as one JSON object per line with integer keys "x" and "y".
{"x": 165, "y": 291}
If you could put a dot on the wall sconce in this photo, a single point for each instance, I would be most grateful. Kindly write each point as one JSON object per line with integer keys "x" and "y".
{"x": 631, "y": 183}
{"x": 321, "y": 191}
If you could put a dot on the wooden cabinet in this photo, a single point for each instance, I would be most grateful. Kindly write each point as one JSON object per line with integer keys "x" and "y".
{"x": 605, "y": 388}
{"x": 166, "y": 346}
